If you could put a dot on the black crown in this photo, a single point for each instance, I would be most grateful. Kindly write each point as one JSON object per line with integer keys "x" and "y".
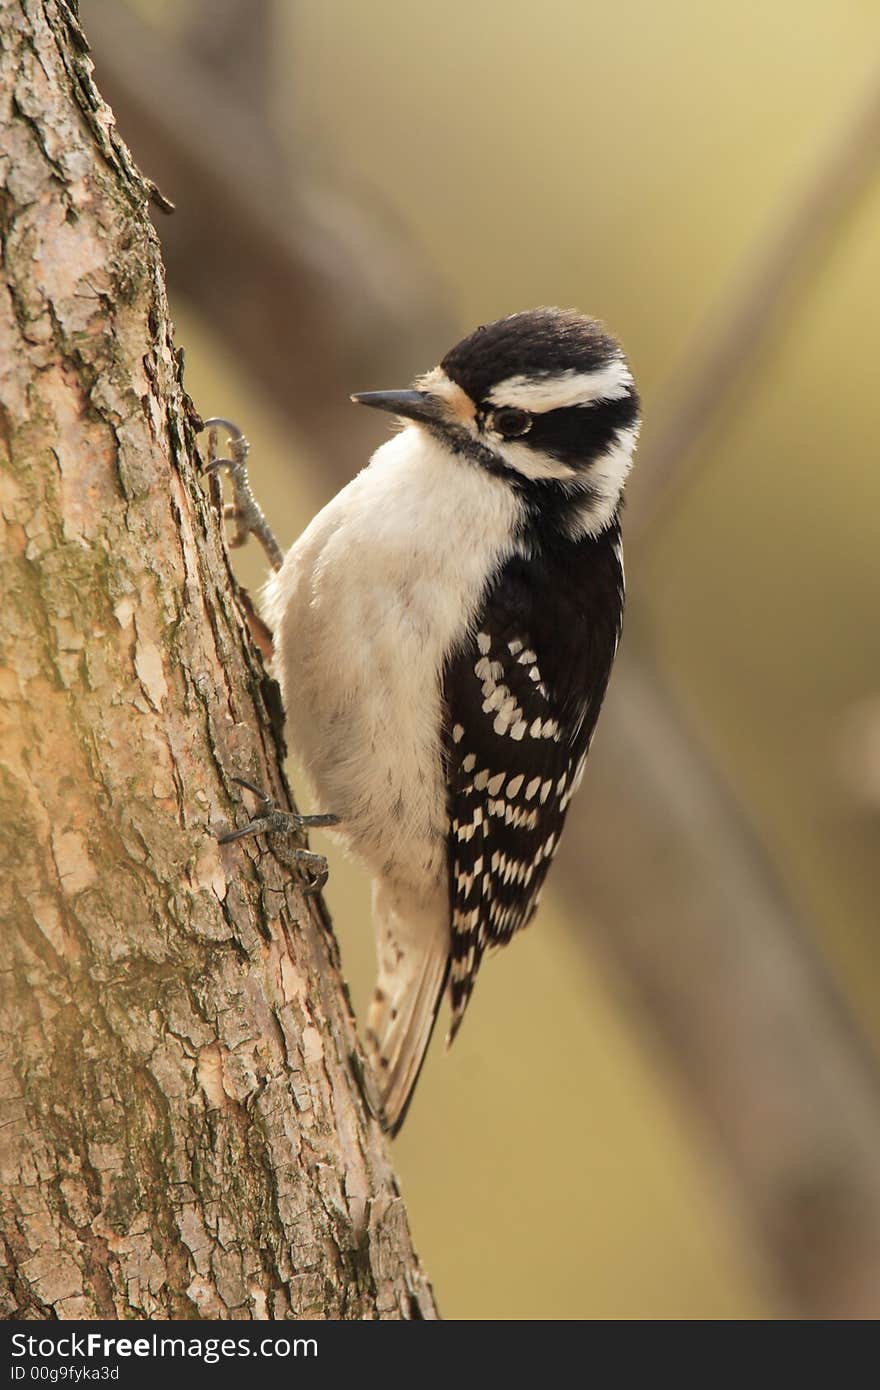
{"x": 532, "y": 343}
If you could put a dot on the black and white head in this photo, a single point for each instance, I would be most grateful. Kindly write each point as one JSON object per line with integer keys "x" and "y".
{"x": 543, "y": 398}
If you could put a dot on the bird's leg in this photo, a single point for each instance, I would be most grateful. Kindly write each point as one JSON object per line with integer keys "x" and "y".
{"x": 269, "y": 820}
{"x": 244, "y": 509}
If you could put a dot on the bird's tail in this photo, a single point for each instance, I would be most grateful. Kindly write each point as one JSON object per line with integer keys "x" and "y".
{"x": 412, "y": 945}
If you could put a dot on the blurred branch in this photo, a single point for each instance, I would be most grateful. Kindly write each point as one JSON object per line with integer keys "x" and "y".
{"x": 690, "y": 910}
{"x": 856, "y": 756}
{"x": 728, "y": 346}
{"x": 318, "y": 294}
{"x": 235, "y": 41}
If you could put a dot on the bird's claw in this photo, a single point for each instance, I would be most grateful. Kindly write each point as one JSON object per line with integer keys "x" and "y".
{"x": 285, "y": 821}
{"x": 269, "y": 820}
{"x": 244, "y": 509}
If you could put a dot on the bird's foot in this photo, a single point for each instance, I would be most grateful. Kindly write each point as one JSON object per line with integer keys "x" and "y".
{"x": 244, "y": 509}
{"x": 269, "y": 820}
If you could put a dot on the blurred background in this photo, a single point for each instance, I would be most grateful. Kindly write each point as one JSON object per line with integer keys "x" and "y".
{"x": 664, "y": 1102}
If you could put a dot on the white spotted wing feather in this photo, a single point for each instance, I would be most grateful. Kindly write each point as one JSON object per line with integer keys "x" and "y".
{"x": 522, "y": 697}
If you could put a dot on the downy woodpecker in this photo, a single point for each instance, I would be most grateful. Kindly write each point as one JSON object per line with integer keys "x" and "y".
{"x": 444, "y": 633}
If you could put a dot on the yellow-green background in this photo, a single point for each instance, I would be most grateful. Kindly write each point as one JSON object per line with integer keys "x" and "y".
{"x": 626, "y": 158}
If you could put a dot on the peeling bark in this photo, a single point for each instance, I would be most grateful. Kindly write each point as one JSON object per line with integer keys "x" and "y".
{"x": 181, "y": 1129}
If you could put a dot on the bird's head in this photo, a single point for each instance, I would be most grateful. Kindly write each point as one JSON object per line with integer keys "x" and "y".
{"x": 543, "y": 398}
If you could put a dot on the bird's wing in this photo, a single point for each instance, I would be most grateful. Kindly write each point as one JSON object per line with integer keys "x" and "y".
{"x": 522, "y": 698}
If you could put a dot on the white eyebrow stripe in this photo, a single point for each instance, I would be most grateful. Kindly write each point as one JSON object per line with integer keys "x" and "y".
{"x": 554, "y": 392}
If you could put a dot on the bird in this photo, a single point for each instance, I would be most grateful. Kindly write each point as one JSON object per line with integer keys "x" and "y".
{"x": 444, "y": 632}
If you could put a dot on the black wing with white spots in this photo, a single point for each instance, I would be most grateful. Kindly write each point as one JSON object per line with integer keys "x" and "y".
{"x": 522, "y": 699}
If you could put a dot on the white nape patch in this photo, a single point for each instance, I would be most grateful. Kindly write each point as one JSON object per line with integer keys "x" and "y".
{"x": 559, "y": 390}
{"x": 606, "y": 477}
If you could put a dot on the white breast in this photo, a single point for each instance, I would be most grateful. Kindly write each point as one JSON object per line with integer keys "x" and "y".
{"x": 369, "y": 602}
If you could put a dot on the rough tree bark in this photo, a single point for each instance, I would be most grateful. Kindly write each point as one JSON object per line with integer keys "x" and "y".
{"x": 181, "y": 1132}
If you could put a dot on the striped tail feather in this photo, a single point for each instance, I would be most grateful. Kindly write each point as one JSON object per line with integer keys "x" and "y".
{"x": 412, "y": 942}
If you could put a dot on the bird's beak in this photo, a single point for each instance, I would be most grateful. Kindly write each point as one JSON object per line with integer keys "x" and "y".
{"x": 410, "y": 405}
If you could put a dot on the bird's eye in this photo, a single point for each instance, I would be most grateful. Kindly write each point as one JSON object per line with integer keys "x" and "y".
{"x": 511, "y": 422}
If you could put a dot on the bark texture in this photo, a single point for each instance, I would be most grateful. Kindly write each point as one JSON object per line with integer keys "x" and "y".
{"x": 181, "y": 1129}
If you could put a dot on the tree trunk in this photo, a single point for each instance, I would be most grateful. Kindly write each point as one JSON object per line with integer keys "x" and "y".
{"x": 181, "y": 1133}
